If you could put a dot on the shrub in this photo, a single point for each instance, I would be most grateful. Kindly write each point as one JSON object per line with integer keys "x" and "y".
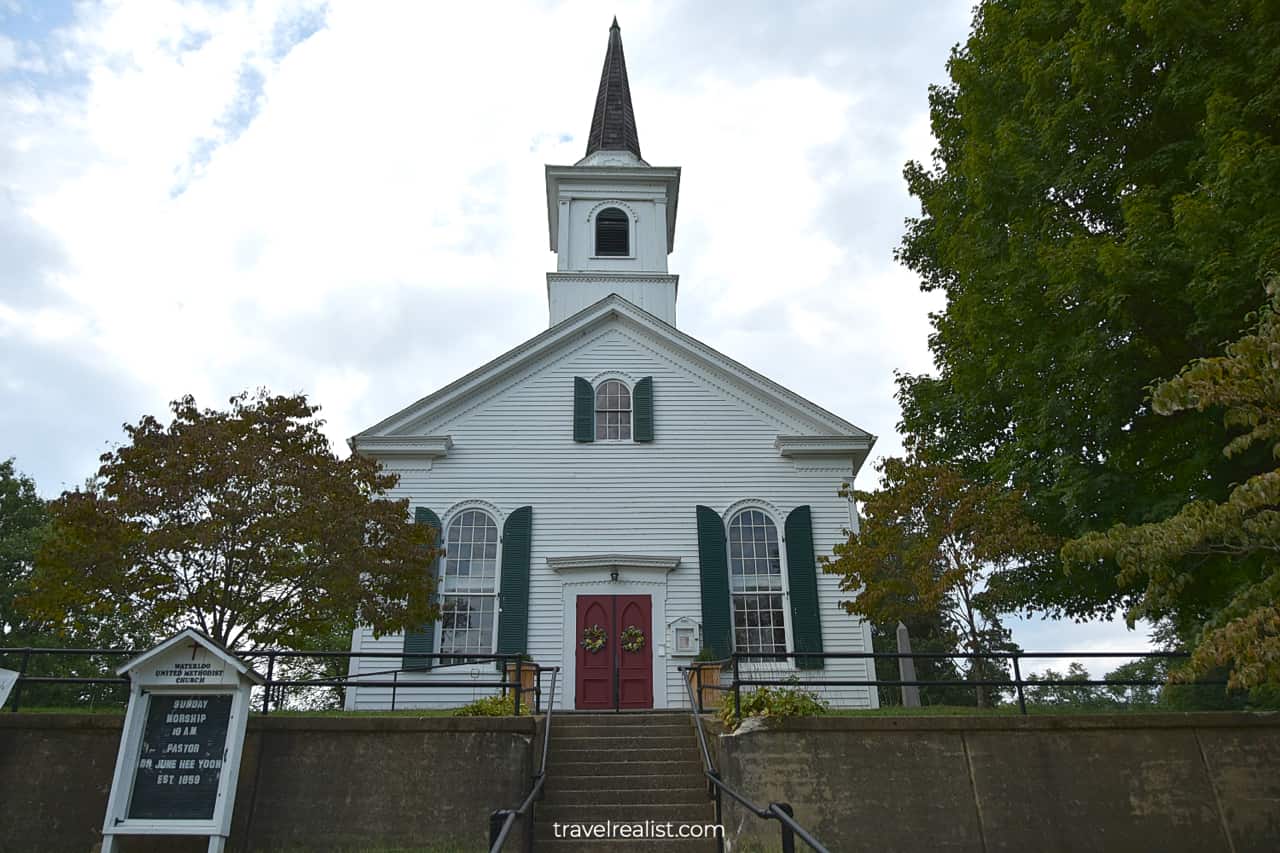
{"x": 493, "y": 706}
{"x": 772, "y": 702}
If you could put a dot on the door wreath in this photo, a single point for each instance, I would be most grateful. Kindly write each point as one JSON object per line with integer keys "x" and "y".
{"x": 632, "y": 639}
{"x": 593, "y": 638}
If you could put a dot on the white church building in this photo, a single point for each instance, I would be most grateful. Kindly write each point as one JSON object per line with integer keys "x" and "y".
{"x": 613, "y": 495}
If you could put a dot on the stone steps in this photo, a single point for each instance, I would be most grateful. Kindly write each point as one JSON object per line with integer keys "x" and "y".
{"x": 589, "y": 769}
{"x": 575, "y": 739}
{"x": 562, "y": 754}
{"x": 624, "y": 768}
{"x": 615, "y": 781}
{"x": 695, "y": 812}
{"x": 622, "y": 796}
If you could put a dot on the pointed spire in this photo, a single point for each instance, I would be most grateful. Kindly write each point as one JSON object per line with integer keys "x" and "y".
{"x": 613, "y": 126}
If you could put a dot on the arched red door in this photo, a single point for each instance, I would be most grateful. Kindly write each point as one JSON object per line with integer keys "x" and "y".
{"x": 611, "y": 677}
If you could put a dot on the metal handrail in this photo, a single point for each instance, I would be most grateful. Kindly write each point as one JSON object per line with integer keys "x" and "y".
{"x": 501, "y": 821}
{"x": 363, "y": 679}
{"x": 781, "y": 812}
{"x": 1018, "y": 682}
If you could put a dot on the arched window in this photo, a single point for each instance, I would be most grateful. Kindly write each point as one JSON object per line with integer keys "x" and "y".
{"x": 613, "y": 411}
{"x": 755, "y": 583}
{"x": 469, "y": 585}
{"x": 613, "y": 233}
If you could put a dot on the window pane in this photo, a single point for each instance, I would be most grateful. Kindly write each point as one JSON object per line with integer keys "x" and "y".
{"x": 613, "y": 410}
{"x": 754, "y": 562}
{"x": 471, "y": 554}
{"x": 466, "y": 625}
{"x": 755, "y": 580}
{"x": 757, "y": 624}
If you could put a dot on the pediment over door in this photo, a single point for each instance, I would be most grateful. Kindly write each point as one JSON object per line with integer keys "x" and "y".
{"x": 619, "y": 567}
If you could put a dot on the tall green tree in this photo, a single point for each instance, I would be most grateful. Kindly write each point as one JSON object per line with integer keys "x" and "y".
{"x": 1101, "y": 208}
{"x": 242, "y": 522}
{"x": 930, "y": 543}
{"x": 1173, "y": 560}
{"x": 22, "y": 517}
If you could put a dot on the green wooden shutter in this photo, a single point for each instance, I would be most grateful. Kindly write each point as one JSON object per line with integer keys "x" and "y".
{"x": 713, "y": 563}
{"x": 802, "y": 577}
{"x": 642, "y": 403}
{"x": 584, "y": 410}
{"x": 423, "y": 640}
{"x": 513, "y": 600}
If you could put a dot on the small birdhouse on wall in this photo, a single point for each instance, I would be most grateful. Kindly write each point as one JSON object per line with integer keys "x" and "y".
{"x": 685, "y": 637}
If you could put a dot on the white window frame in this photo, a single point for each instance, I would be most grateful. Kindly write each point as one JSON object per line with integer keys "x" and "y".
{"x": 631, "y": 408}
{"x": 452, "y": 515}
{"x": 772, "y": 514}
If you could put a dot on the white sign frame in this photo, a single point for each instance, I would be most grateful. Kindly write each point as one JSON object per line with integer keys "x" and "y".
{"x": 150, "y": 674}
{"x": 8, "y": 678}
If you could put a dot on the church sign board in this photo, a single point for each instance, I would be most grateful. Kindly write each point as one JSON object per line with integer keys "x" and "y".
{"x": 179, "y": 756}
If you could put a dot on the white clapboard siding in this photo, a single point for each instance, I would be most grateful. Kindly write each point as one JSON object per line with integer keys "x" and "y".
{"x": 714, "y": 445}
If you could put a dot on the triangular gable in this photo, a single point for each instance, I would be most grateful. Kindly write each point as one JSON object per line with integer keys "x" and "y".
{"x": 565, "y": 333}
{"x": 196, "y": 636}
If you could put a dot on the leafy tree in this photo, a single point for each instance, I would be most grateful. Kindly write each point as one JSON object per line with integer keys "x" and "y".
{"x": 1172, "y": 556}
{"x": 1101, "y": 208}
{"x": 24, "y": 522}
{"x": 930, "y": 540}
{"x": 241, "y": 522}
{"x": 22, "y": 516}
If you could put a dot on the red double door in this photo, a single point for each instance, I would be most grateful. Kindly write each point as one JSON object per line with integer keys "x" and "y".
{"x": 612, "y": 677}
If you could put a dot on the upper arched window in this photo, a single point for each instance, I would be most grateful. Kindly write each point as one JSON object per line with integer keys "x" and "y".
{"x": 613, "y": 233}
{"x": 613, "y": 410}
{"x": 469, "y": 585}
{"x": 755, "y": 583}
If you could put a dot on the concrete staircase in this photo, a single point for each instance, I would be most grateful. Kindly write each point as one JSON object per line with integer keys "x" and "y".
{"x": 625, "y": 767}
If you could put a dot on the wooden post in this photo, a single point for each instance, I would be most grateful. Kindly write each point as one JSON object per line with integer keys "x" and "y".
{"x": 907, "y": 670}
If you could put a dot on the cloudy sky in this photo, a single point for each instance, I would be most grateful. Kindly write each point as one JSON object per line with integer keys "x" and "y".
{"x": 347, "y": 199}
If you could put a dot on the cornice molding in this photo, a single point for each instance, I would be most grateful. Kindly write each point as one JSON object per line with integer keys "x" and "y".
{"x": 808, "y": 446}
{"x": 613, "y": 562}
{"x": 403, "y": 446}
{"x": 591, "y": 276}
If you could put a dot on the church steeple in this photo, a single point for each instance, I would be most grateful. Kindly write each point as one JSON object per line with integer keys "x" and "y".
{"x": 611, "y": 216}
{"x": 613, "y": 126}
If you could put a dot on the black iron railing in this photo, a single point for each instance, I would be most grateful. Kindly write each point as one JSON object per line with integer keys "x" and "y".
{"x": 512, "y": 668}
{"x": 502, "y": 820}
{"x": 1018, "y": 684}
{"x": 781, "y": 812}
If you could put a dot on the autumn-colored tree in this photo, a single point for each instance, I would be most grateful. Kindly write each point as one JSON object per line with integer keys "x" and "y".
{"x": 1169, "y": 558}
{"x": 933, "y": 541}
{"x": 241, "y": 522}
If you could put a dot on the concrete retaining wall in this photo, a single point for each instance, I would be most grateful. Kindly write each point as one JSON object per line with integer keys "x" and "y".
{"x": 306, "y": 783}
{"x": 1167, "y": 782}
